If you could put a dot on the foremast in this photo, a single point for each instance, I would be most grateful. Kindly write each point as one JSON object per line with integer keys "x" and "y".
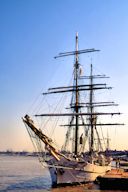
{"x": 76, "y": 66}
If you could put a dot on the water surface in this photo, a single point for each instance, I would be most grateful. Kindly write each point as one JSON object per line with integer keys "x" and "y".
{"x": 25, "y": 174}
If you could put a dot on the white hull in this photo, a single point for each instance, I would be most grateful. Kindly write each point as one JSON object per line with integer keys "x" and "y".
{"x": 89, "y": 173}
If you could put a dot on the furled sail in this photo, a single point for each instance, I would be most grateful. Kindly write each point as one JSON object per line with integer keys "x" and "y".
{"x": 46, "y": 140}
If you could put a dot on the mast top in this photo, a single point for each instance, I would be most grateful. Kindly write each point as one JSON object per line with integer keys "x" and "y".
{"x": 77, "y": 48}
{"x": 76, "y": 52}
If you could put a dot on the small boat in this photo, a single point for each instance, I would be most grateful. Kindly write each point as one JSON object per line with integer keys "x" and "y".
{"x": 73, "y": 163}
{"x": 115, "y": 179}
{"x": 123, "y": 163}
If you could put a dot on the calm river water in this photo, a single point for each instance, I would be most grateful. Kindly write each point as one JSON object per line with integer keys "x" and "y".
{"x": 25, "y": 174}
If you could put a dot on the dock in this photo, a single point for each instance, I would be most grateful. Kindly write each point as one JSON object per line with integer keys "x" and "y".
{"x": 114, "y": 179}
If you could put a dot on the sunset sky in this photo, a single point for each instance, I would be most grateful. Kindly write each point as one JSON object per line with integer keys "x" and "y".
{"x": 32, "y": 32}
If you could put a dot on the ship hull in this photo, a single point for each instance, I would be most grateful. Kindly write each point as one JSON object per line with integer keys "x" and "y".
{"x": 89, "y": 173}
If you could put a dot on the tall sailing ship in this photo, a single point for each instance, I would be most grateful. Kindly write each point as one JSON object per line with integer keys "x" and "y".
{"x": 73, "y": 162}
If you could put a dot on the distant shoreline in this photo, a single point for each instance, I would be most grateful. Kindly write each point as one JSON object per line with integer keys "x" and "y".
{"x": 19, "y": 153}
{"x": 35, "y": 154}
